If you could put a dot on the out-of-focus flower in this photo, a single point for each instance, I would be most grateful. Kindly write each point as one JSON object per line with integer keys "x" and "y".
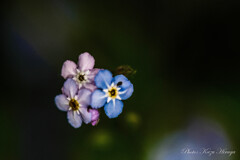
{"x": 110, "y": 93}
{"x": 75, "y": 102}
{"x": 95, "y": 116}
{"x": 82, "y": 73}
{"x": 203, "y": 139}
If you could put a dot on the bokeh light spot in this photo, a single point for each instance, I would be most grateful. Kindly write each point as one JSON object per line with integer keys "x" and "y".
{"x": 133, "y": 119}
{"x": 101, "y": 139}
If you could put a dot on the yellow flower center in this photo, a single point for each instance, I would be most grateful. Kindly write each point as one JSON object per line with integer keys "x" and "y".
{"x": 113, "y": 92}
{"x": 74, "y": 104}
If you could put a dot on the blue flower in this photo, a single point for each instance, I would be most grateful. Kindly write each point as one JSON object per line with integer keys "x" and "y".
{"x": 110, "y": 92}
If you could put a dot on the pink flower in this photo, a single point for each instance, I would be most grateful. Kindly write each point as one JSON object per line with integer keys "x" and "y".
{"x": 82, "y": 73}
{"x": 95, "y": 116}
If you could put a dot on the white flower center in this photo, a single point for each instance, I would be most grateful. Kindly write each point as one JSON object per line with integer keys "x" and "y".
{"x": 81, "y": 77}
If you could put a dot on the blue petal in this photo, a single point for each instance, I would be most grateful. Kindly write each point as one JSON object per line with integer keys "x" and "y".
{"x": 122, "y": 82}
{"x": 126, "y": 93}
{"x": 103, "y": 79}
{"x": 113, "y": 110}
{"x": 98, "y": 99}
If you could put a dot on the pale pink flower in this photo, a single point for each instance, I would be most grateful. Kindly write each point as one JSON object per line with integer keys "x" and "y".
{"x": 83, "y": 72}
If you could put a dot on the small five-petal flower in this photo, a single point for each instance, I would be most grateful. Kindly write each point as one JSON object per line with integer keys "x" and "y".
{"x": 110, "y": 93}
{"x": 75, "y": 102}
{"x": 83, "y": 73}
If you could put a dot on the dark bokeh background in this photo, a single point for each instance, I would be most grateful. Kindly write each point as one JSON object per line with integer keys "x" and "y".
{"x": 187, "y": 86}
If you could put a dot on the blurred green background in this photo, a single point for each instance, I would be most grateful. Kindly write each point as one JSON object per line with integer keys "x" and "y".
{"x": 187, "y": 85}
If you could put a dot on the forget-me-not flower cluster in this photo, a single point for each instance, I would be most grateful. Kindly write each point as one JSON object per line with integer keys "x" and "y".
{"x": 87, "y": 89}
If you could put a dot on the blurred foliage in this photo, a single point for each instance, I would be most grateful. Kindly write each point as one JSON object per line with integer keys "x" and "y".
{"x": 125, "y": 70}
